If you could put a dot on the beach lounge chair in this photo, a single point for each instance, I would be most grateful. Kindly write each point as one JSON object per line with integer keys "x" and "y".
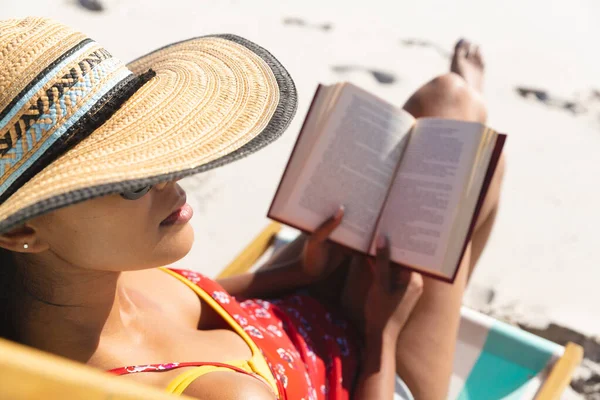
{"x": 493, "y": 360}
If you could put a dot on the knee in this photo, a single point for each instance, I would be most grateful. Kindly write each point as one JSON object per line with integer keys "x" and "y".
{"x": 453, "y": 87}
{"x": 448, "y": 83}
{"x": 415, "y": 285}
{"x": 450, "y": 96}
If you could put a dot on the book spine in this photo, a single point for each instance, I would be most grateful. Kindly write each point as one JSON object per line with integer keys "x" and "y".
{"x": 389, "y": 189}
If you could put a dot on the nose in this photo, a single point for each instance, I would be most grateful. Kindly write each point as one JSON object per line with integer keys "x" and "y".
{"x": 162, "y": 185}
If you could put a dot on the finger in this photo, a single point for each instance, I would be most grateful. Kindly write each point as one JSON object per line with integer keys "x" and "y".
{"x": 338, "y": 253}
{"x": 382, "y": 261}
{"x": 326, "y": 228}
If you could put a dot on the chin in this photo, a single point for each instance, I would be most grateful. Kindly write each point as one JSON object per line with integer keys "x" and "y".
{"x": 177, "y": 244}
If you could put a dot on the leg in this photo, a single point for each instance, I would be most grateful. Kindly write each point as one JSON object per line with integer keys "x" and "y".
{"x": 426, "y": 345}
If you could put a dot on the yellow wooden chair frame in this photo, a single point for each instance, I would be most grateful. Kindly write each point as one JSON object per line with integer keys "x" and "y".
{"x": 27, "y": 373}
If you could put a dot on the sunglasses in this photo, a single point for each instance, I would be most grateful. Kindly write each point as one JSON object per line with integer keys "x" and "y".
{"x": 134, "y": 194}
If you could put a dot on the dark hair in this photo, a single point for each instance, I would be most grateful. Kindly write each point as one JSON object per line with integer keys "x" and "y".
{"x": 8, "y": 269}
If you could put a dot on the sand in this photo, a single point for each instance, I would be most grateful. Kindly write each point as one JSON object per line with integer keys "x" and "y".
{"x": 541, "y": 265}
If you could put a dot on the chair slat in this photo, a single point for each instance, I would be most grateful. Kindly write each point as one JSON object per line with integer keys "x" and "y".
{"x": 27, "y": 374}
{"x": 561, "y": 373}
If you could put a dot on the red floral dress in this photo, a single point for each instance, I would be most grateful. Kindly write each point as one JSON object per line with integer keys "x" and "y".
{"x": 311, "y": 351}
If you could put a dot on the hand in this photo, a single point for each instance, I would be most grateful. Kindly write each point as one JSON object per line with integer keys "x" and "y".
{"x": 393, "y": 294}
{"x": 320, "y": 257}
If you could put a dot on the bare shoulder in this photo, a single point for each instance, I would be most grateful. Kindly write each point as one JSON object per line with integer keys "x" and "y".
{"x": 229, "y": 386}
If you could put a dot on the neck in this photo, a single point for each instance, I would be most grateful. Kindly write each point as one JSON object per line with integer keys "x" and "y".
{"x": 64, "y": 309}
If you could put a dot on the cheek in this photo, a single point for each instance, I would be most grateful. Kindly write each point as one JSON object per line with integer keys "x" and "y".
{"x": 97, "y": 234}
{"x": 120, "y": 240}
{"x": 102, "y": 244}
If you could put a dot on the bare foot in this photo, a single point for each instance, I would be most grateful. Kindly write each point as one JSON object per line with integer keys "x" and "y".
{"x": 468, "y": 63}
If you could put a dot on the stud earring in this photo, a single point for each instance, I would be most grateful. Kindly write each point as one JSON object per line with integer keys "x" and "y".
{"x": 25, "y": 246}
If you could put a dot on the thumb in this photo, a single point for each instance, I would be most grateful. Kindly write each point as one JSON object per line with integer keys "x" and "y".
{"x": 382, "y": 262}
{"x": 326, "y": 228}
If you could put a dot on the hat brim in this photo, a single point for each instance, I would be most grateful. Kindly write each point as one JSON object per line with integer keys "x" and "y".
{"x": 214, "y": 99}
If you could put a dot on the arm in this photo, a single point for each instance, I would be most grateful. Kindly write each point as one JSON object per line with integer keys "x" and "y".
{"x": 306, "y": 260}
{"x": 266, "y": 282}
{"x": 378, "y": 374}
{"x": 392, "y": 296}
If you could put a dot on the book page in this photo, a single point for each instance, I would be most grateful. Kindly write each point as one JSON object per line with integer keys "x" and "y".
{"x": 424, "y": 199}
{"x": 352, "y": 163}
{"x": 322, "y": 103}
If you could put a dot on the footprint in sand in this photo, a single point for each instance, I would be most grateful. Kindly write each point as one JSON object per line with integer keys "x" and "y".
{"x": 383, "y": 77}
{"x": 414, "y": 42}
{"x": 300, "y": 22}
{"x": 91, "y": 5}
{"x": 543, "y": 96}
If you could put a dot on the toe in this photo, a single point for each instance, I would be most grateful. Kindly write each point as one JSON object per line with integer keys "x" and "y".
{"x": 462, "y": 47}
{"x": 478, "y": 57}
{"x": 471, "y": 50}
{"x": 460, "y": 54}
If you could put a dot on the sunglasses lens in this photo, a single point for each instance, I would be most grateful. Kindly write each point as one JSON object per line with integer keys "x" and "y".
{"x": 135, "y": 194}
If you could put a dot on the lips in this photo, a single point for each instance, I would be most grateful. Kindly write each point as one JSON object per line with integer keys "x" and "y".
{"x": 180, "y": 203}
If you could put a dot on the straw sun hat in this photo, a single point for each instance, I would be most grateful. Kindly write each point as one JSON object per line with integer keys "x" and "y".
{"x": 77, "y": 123}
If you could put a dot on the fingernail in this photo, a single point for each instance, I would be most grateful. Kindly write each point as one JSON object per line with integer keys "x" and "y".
{"x": 381, "y": 241}
{"x": 340, "y": 211}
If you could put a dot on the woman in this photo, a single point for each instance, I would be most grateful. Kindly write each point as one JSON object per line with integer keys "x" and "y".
{"x": 90, "y": 152}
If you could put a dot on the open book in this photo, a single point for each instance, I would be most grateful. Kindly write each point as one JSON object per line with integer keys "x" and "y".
{"x": 420, "y": 182}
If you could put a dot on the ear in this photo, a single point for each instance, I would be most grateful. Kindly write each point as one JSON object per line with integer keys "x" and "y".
{"x": 23, "y": 239}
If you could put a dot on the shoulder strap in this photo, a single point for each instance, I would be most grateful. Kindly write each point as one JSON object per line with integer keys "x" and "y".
{"x": 258, "y": 362}
{"x": 133, "y": 369}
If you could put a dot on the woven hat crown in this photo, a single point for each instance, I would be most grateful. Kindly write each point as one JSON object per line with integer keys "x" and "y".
{"x": 55, "y": 83}
{"x": 27, "y": 47}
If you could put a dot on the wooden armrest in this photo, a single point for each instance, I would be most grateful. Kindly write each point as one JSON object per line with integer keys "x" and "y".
{"x": 27, "y": 373}
{"x": 561, "y": 373}
{"x": 247, "y": 257}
